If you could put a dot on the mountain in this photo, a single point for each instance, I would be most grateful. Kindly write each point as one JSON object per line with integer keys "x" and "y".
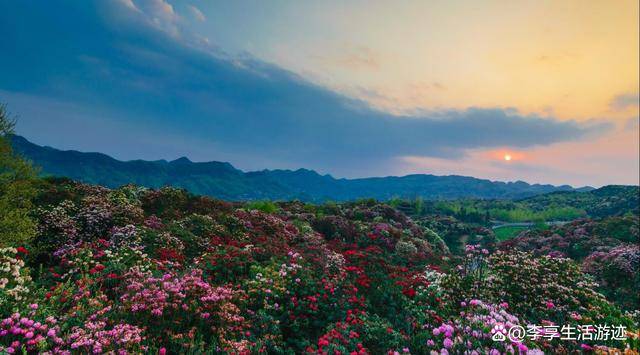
{"x": 222, "y": 180}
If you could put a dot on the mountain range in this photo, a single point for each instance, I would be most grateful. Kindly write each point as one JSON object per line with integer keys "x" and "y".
{"x": 222, "y": 180}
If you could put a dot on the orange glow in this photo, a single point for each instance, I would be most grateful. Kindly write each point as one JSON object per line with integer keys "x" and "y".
{"x": 504, "y": 154}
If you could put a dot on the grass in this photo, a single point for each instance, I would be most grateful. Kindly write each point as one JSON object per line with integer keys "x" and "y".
{"x": 508, "y": 232}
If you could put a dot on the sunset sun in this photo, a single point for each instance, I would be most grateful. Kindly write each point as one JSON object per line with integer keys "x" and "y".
{"x": 507, "y": 157}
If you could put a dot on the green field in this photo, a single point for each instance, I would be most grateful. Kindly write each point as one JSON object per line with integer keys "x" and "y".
{"x": 508, "y": 232}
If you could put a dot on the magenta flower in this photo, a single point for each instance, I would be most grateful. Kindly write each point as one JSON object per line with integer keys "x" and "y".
{"x": 447, "y": 343}
{"x": 586, "y": 347}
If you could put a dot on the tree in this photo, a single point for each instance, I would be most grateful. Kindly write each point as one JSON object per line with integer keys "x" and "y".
{"x": 16, "y": 188}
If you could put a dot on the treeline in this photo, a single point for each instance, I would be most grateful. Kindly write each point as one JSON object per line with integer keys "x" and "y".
{"x": 559, "y": 207}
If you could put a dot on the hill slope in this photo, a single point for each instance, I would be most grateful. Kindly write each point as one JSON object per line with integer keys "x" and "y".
{"x": 222, "y": 180}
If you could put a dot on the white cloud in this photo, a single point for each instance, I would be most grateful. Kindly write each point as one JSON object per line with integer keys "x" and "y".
{"x": 161, "y": 14}
{"x": 129, "y": 4}
{"x": 196, "y": 13}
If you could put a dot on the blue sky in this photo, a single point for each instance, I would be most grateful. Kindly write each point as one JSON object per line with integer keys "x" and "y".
{"x": 242, "y": 82}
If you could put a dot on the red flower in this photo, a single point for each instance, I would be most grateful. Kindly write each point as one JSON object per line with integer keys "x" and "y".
{"x": 22, "y": 250}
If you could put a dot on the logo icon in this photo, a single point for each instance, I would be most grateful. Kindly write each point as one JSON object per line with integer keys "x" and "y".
{"x": 498, "y": 333}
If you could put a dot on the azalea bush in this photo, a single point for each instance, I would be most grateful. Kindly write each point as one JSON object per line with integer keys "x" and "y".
{"x": 134, "y": 270}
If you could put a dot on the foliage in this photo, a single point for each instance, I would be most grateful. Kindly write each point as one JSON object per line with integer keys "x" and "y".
{"x": 508, "y": 232}
{"x": 16, "y": 189}
{"x": 136, "y": 270}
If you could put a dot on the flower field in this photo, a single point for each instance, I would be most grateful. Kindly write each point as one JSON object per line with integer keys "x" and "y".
{"x": 135, "y": 270}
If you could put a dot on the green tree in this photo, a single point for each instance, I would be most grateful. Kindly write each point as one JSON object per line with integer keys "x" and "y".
{"x": 16, "y": 189}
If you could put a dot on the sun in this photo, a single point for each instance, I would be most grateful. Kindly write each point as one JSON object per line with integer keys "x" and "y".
{"x": 507, "y": 157}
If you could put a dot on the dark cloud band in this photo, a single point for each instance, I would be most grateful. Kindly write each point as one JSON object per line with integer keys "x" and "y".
{"x": 112, "y": 58}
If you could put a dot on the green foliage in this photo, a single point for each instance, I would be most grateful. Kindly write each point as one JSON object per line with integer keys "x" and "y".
{"x": 528, "y": 215}
{"x": 16, "y": 189}
{"x": 264, "y": 206}
{"x": 484, "y": 211}
{"x": 622, "y": 228}
{"x": 508, "y": 232}
{"x": 418, "y": 206}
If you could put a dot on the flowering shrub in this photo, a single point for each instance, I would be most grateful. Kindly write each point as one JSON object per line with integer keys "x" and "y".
{"x": 359, "y": 333}
{"x": 186, "y": 301}
{"x": 134, "y": 270}
{"x": 18, "y": 333}
{"x": 607, "y": 249}
{"x": 616, "y": 271}
{"x": 14, "y": 278}
{"x": 94, "y": 337}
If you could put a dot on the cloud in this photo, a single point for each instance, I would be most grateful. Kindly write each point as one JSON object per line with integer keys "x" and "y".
{"x": 129, "y": 4}
{"x": 196, "y": 13}
{"x": 358, "y": 57}
{"x": 137, "y": 74}
{"x": 158, "y": 13}
{"x": 632, "y": 124}
{"x": 623, "y": 101}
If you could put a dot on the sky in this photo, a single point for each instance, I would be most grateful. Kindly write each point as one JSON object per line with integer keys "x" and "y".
{"x": 349, "y": 88}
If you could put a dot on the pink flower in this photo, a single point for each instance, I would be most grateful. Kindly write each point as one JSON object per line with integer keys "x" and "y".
{"x": 447, "y": 343}
{"x": 550, "y": 305}
{"x": 586, "y": 347}
{"x": 575, "y": 316}
{"x": 162, "y": 351}
{"x": 523, "y": 348}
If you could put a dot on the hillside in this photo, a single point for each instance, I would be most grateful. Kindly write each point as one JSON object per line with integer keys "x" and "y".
{"x": 134, "y": 270}
{"x": 606, "y": 201}
{"x": 222, "y": 180}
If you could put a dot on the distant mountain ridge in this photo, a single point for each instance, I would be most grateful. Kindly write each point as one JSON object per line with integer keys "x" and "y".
{"x": 222, "y": 180}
